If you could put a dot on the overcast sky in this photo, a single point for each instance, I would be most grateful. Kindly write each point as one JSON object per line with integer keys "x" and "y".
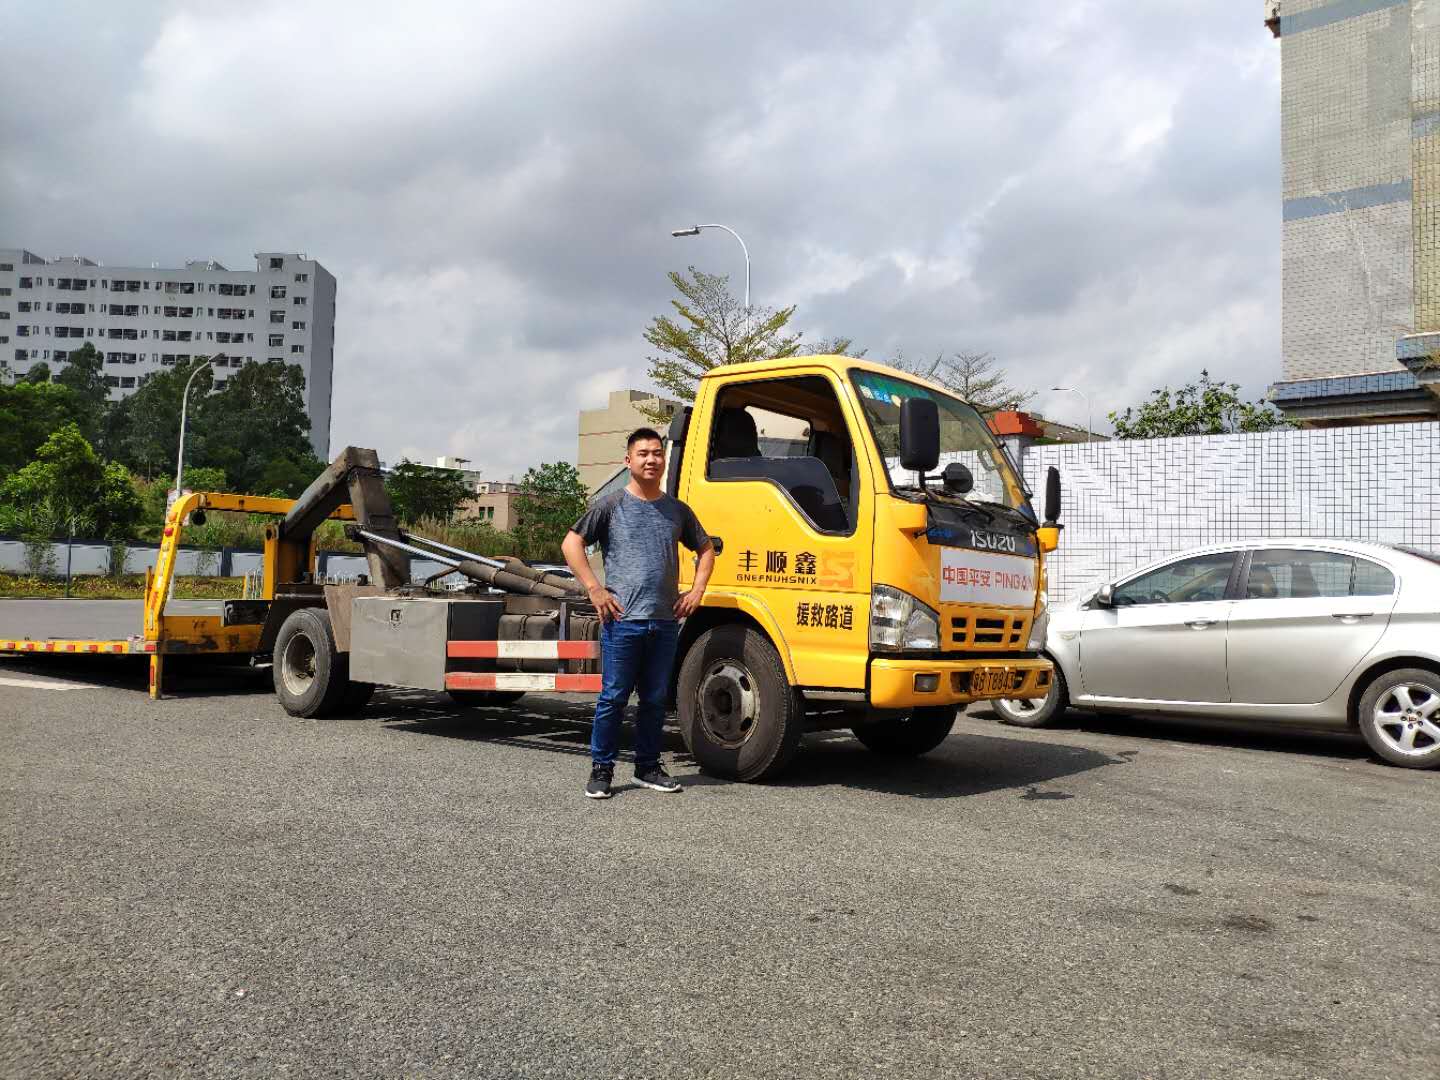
{"x": 1089, "y": 190}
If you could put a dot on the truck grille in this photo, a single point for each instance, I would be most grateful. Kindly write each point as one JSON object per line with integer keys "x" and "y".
{"x": 980, "y": 629}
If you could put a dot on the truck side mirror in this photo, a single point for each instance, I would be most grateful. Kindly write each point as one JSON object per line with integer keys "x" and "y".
{"x": 919, "y": 434}
{"x": 1106, "y": 596}
{"x": 1052, "y": 494}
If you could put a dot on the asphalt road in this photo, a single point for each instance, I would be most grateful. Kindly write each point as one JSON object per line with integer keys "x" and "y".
{"x": 204, "y": 887}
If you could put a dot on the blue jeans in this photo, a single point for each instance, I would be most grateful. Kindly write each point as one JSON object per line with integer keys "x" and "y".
{"x": 636, "y": 655}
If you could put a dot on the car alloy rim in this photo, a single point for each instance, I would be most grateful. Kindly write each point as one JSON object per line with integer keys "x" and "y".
{"x": 729, "y": 705}
{"x": 1407, "y": 719}
{"x": 1024, "y": 706}
{"x": 297, "y": 666}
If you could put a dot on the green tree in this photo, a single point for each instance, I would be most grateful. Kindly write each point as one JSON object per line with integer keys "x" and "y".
{"x": 256, "y": 429}
{"x": 976, "y": 377}
{"x": 551, "y": 499}
{"x": 68, "y": 490}
{"x": 1198, "y": 408}
{"x": 145, "y": 427}
{"x": 712, "y": 328}
{"x": 421, "y": 491}
{"x": 84, "y": 375}
{"x": 38, "y": 373}
{"x": 29, "y": 414}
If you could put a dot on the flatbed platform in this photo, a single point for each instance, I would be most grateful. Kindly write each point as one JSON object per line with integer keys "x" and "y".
{"x": 87, "y": 620}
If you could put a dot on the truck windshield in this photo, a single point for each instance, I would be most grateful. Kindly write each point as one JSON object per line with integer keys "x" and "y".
{"x": 964, "y": 437}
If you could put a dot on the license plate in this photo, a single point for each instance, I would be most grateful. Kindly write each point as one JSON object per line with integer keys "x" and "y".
{"x": 993, "y": 680}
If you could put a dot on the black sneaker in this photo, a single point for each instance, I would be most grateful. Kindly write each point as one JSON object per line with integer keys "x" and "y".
{"x": 656, "y": 779}
{"x": 599, "y": 785}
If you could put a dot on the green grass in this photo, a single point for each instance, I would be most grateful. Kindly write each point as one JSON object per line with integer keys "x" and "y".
{"x": 127, "y": 587}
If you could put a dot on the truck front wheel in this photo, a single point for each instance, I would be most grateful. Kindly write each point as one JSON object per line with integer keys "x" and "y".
{"x": 919, "y": 732}
{"x": 739, "y": 716}
{"x": 312, "y": 678}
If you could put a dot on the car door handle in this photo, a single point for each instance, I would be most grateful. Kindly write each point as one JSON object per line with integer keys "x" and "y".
{"x": 1352, "y": 616}
{"x": 1200, "y": 624}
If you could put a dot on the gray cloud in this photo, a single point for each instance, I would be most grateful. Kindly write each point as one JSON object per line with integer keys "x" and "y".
{"x": 1092, "y": 195}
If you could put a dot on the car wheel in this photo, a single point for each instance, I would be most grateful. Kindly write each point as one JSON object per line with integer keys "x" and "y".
{"x": 919, "y": 732}
{"x": 1035, "y": 712}
{"x": 739, "y": 716}
{"x": 484, "y": 699}
{"x": 1400, "y": 717}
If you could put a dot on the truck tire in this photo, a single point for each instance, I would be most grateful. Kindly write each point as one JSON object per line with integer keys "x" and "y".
{"x": 919, "y": 732}
{"x": 1035, "y": 712}
{"x": 1393, "y": 717}
{"x": 739, "y": 716}
{"x": 311, "y": 676}
{"x": 484, "y": 699}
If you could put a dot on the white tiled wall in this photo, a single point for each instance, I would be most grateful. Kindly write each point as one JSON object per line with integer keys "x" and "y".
{"x": 1129, "y": 502}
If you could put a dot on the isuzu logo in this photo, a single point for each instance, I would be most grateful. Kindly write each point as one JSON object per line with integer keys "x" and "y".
{"x": 987, "y": 541}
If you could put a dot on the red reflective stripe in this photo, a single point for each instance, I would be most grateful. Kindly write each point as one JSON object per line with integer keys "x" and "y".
{"x": 551, "y": 650}
{"x": 578, "y": 684}
{"x": 459, "y": 680}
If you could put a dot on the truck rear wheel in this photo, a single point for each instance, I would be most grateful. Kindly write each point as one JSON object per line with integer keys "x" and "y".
{"x": 909, "y": 736}
{"x": 739, "y": 716}
{"x": 484, "y": 699}
{"x": 312, "y": 678}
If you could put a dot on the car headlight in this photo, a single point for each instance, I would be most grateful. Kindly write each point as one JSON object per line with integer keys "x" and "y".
{"x": 899, "y": 622}
{"x": 1039, "y": 628}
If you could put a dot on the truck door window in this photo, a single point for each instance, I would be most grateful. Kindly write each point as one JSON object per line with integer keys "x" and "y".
{"x": 790, "y": 433}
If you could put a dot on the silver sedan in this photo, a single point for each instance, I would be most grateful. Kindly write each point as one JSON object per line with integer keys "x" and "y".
{"x": 1310, "y": 633}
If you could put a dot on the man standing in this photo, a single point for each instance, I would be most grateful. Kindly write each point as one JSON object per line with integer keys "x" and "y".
{"x": 640, "y": 606}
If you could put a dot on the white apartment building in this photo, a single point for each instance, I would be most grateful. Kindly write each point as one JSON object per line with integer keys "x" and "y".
{"x": 146, "y": 320}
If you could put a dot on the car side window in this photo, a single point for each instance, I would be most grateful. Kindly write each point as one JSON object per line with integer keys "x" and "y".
{"x": 1203, "y": 577}
{"x": 1296, "y": 574}
{"x": 1371, "y": 579}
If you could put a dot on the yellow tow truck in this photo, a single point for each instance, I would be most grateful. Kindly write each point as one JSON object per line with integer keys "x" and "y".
{"x": 854, "y": 585}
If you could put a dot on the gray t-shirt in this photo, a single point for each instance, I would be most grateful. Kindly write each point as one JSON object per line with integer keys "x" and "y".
{"x": 638, "y": 537}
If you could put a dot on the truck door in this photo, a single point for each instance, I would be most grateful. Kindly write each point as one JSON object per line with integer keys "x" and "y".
{"x": 773, "y": 475}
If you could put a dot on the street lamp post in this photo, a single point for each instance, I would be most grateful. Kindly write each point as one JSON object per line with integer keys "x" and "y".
{"x": 1089, "y": 412}
{"x": 184, "y": 401}
{"x": 694, "y": 230}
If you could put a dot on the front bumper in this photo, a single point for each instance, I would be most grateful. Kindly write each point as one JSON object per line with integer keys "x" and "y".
{"x": 893, "y": 682}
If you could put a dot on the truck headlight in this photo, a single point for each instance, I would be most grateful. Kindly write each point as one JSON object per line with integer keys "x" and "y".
{"x": 899, "y": 622}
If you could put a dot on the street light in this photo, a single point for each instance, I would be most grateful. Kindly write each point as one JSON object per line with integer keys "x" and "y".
{"x": 184, "y": 401}
{"x": 694, "y": 230}
{"x": 1089, "y": 412}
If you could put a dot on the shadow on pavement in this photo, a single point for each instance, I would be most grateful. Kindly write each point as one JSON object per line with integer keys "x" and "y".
{"x": 184, "y": 675}
{"x": 1340, "y": 745}
{"x": 965, "y": 764}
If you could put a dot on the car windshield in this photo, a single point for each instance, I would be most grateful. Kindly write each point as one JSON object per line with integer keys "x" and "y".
{"x": 964, "y": 438}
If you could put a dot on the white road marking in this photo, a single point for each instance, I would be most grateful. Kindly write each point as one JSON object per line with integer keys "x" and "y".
{"x": 38, "y": 684}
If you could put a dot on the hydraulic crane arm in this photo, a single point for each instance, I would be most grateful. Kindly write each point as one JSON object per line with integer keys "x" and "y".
{"x": 353, "y": 477}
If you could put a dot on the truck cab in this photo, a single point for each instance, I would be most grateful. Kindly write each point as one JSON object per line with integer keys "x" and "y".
{"x": 848, "y": 586}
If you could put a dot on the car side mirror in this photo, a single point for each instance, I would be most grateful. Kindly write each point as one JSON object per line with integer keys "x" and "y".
{"x": 1106, "y": 596}
{"x": 919, "y": 434}
{"x": 957, "y": 478}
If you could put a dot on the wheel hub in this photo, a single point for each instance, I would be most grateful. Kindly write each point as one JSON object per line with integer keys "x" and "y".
{"x": 729, "y": 705}
{"x": 297, "y": 664}
{"x": 1407, "y": 718}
